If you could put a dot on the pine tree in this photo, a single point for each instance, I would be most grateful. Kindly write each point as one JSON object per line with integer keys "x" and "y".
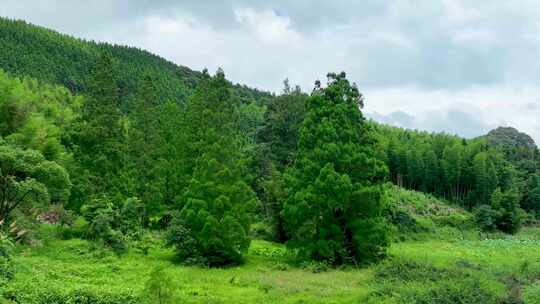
{"x": 334, "y": 208}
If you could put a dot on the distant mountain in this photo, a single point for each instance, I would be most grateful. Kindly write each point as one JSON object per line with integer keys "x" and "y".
{"x": 518, "y": 147}
{"x": 51, "y": 57}
{"x": 510, "y": 137}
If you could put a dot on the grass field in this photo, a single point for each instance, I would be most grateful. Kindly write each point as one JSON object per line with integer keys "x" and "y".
{"x": 503, "y": 268}
{"x": 438, "y": 257}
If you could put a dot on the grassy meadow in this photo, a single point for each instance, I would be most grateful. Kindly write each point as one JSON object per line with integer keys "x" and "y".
{"x": 440, "y": 263}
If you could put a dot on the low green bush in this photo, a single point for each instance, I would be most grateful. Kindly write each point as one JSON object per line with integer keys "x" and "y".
{"x": 44, "y": 296}
{"x": 405, "y": 281}
{"x": 77, "y": 229}
{"x": 6, "y": 264}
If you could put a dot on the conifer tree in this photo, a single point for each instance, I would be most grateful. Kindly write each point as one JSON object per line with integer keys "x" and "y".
{"x": 101, "y": 136}
{"x": 216, "y": 202}
{"x": 146, "y": 146}
{"x": 334, "y": 208}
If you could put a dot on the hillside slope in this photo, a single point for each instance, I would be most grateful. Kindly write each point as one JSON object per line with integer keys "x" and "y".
{"x": 28, "y": 50}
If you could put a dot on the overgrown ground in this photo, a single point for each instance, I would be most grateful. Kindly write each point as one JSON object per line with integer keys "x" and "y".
{"x": 440, "y": 263}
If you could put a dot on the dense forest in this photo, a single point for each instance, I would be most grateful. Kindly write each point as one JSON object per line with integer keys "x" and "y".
{"x": 121, "y": 148}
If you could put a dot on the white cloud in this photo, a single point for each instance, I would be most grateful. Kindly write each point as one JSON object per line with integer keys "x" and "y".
{"x": 267, "y": 25}
{"x": 469, "y": 112}
{"x": 458, "y": 14}
{"x": 455, "y": 65}
{"x": 475, "y": 37}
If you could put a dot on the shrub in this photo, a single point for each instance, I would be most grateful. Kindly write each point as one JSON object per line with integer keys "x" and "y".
{"x": 104, "y": 224}
{"x": 182, "y": 239}
{"x": 48, "y": 296}
{"x": 78, "y": 229}
{"x": 404, "y": 270}
{"x": 486, "y": 217}
{"x": 463, "y": 291}
{"x": 507, "y": 204}
{"x": 159, "y": 288}
{"x": 406, "y": 281}
{"x": 6, "y": 264}
{"x": 262, "y": 231}
{"x": 144, "y": 243}
{"x": 132, "y": 215}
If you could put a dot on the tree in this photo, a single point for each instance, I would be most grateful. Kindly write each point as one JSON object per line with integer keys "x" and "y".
{"x": 333, "y": 212}
{"x": 145, "y": 147}
{"x": 215, "y": 204}
{"x": 507, "y": 204}
{"x": 452, "y": 166}
{"x": 101, "y": 135}
{"x": 26, "y": 178}
{"x": 531, "y": 200}
{"x": 282, "y": 121}
{"x": 485, "y": 180}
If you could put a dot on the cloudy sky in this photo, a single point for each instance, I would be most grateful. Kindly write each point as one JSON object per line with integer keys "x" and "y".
{"x": 441, "y": 65}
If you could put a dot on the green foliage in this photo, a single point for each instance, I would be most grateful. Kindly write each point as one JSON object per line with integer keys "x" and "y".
{"x": 274, "y": 195}
{"x": 407, "y": 281}
{"x": 26, "y": 178}
{"x": 184, "y": 242}
{"x": 104, "y": 224}
{"x": 281, "y": 128}
{"x": 69, "y": 61}
{"x": 531, "y": 197}
{"x": 487, "y": 217}
{"x": 419, "y": 216}
{"x": 334, "y": 202}
{"x": 159, "y": 287}
{"x": 6, "y": 264}
{"x": 467, "y": 172}
{"x": 133, "y": 215}
{"x": 78, "y": 229}
{"x": 507, "y": 205}
{"x": 217, "y": 199}
{"x": 145, "y": 143}
{"x": 144, "y": 243}
{"x": 100, "y": 136}
{"x": 76, "y": 297}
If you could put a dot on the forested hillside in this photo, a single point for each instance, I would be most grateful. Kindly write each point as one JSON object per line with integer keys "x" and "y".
{"x": 118, "y": 166}
{"x": 29, "y": 50}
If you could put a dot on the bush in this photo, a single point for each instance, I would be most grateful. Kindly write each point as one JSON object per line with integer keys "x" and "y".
{"x": 466, "y": 291}
{"x": 403, "y": 270}
{"x": 72, "y": 297}
{"x": 262, "y": 231}
{"x": 132, "y": 215}
{"x": 104, "y": 224}
{"x": 78, "y": 229}
{"x": 144, "y": 243}
{"x": 406, "y": 281}
{"x": 486, "y": 217}
{"x": 159, "y": 288}
{"x": 185, "y": 244}
{"x": 6, "y": 264}
{"x": 372, "y": 237}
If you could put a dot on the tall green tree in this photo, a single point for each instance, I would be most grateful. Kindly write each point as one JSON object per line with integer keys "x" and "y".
{"x": 101, "y": 138}
{"x": 278, "y": 139}
{"x": 145, "y": 147}
{"x": 334, "y": 208}
{"x": 531, "y": 200}
{"x": 214, "y": 216}
{"x": 281, "y": 127}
